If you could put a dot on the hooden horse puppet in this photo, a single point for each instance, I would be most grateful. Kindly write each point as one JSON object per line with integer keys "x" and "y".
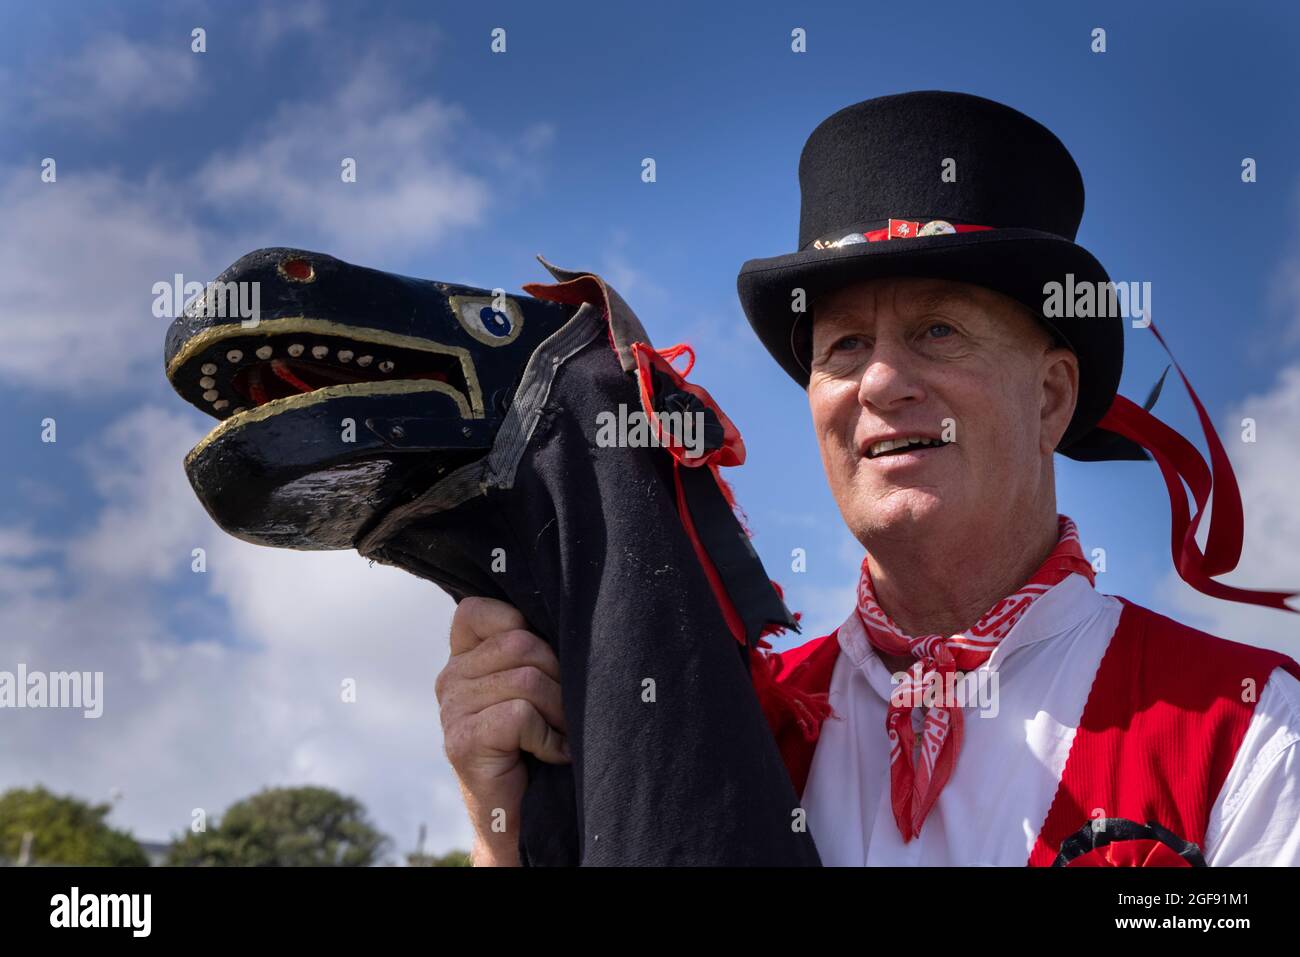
{"x": 455, "y": 432}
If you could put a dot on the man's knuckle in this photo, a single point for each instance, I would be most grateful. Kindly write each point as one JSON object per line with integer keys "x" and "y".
{"x": 457, "y": 742}
{"x": 528, "y": 680}
{"x": 519, "y": 711}
{"x": 468, "y": 611}
{"x": 442, "y": 684}
{"x": 517, "y": 644}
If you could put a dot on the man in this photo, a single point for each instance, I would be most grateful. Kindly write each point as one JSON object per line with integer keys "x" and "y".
{"x": 983, "y": 703}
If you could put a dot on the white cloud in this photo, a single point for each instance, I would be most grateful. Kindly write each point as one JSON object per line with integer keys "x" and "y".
{"x": 79, "y": 257}
{"x": 20, "y": 543}
{"x": 191, "y": 720}
{"x": 409, "y": 188}
{"x": 630, "y": 282}
{"x": 271, "y": 24}
{"x": 150, "y": 519}
{"x": 218, "y": 685}
{"x": 78, "y": 260}
{"x": 113, "y": 75}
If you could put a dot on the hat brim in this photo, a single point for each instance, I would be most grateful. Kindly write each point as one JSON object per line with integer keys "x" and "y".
{"x": 1015, "y": 262}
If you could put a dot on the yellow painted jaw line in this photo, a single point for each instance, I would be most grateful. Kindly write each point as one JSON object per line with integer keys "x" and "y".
{"x": 204, "y": 340}
{"x": 351, "y": 389}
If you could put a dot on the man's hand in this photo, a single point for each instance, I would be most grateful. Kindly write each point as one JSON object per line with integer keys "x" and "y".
{"x": 499, "y": 695}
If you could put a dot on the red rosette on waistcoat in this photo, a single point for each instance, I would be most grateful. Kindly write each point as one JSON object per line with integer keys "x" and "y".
{"x": 1119, "y": 842}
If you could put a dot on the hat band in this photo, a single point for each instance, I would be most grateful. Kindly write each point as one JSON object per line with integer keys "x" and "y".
{"x": 896, "y": 229}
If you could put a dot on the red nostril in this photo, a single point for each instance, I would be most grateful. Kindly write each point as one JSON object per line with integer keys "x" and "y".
{"x": 299, "y": 270}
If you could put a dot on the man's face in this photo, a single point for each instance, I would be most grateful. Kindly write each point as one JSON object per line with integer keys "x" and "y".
{"x": 943, "y": 360}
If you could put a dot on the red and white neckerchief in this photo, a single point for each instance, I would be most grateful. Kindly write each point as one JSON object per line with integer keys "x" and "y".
{"x": 914, "y": 788}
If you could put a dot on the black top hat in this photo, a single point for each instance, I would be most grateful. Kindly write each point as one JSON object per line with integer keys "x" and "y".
{"x": 875, "y": 203}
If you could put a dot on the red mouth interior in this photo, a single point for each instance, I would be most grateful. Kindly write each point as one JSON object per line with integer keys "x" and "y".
{"x": 263, "y": 382}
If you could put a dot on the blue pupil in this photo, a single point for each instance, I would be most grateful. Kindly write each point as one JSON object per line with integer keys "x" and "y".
{"x": 494, "y": 322}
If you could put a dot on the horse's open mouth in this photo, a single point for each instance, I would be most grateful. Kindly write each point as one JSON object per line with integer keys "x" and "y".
{"x": 228, "y": 370}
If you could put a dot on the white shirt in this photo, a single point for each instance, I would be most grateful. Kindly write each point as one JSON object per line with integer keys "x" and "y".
{"x": 991, "y": 809}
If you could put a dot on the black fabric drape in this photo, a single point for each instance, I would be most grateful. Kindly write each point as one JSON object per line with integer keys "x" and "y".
{"x": 597, "y": 561}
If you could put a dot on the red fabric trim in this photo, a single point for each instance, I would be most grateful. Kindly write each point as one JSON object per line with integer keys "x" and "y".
{"x": 574, "y": 292}
{"x": 804, "y": 671}
{"x": 783, "y": 706}
{"x": 808, "y": 665}
{"x": 888, "y": 232}
{"x": 728, "y": 608}
{"x": 590, "y": 288}
{"x": 732, "y": 450}
{"x": 1140, "y": 853}
{"x": 900, "y": 229}
{"x": 672, "y": 352}
{"x": 1160, "y": 729}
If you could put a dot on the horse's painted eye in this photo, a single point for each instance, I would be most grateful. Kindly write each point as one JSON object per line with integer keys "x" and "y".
{"x": 493, "y": 321}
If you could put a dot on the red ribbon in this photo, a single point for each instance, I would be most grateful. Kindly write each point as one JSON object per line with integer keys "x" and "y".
{"x": 1179, "y": 461}
{"x": 731, "y": 452}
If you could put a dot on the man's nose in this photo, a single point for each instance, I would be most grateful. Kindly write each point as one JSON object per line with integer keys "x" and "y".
{"x": 890, "y": 378}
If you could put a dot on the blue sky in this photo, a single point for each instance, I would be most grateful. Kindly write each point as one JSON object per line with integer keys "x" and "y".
{"x": 469, "y": 165}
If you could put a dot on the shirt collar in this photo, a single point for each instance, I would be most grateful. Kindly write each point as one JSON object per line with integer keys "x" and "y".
{"x": 1061, "y": 608}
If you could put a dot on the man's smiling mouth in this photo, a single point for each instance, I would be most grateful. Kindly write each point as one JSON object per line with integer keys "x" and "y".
{"x": 899, "y": 446}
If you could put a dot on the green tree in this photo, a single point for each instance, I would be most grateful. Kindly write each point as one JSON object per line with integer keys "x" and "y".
{"x": 450, "y": 859}
{"x": 65, "y": 830}
{"x": 285, "y": 827}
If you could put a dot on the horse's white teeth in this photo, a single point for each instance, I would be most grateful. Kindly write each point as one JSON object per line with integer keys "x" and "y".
{"x": 207, "y": 382}
{"x": 345, "y": 355}
{"x": 220, "y": 404}
{"x": 385, "y": 366}
{"x": 234, "y": 355}
{"x": 365, "y": 361}
{"x": 264, "y": 352}
{"x": 208, "y": 368}
{"x": 210, "y": 395}
{"x": 295, "y": 350}
{"x": 320, "y": 352}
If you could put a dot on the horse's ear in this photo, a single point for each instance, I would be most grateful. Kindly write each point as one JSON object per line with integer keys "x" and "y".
{"x": 624, "y": 326}
{"x": 625, "y": 329}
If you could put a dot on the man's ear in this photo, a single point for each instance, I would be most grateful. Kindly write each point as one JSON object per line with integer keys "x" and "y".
{"x": 1059, "y": 383}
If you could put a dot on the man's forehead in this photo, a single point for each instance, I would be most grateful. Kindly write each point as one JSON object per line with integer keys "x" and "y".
{"x": 861, "y": 299}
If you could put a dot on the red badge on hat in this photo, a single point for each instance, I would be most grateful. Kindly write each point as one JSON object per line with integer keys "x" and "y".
{"x": 903, "y": 228}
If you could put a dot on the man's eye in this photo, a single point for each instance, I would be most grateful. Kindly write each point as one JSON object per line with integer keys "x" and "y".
{"x": 940, "y": 325}
{"x": 848, "y": 342}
